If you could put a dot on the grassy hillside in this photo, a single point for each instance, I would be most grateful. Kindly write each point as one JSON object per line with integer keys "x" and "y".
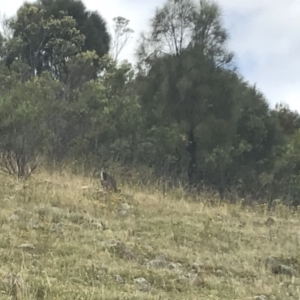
{"x": 60, "y": 238}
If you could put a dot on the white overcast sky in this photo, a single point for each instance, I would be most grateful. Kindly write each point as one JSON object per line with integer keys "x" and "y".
{"x": 264, "y": 34}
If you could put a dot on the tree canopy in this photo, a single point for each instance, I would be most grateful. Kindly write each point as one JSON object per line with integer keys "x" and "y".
{"x": 48, "y": 33}
{"x": 183, "y": 113}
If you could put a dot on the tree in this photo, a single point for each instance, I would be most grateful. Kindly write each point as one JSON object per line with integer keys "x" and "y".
{"x": 289, "y": 120}
{"x": 180, "y": 24}
{"x": 189, "y": 79}
{"x": 247, "y": 163}
{"x": 89, "y": 23}
{"x": 5, "y": 29}
{"x": 286, "y": 173}
{"x": 209, "y": 35}
{"x": 171, "y": 27}
{"x": 24, "y": 134}
{"x": 2, "y": 48}
{"x": 122, "y": 34}
{"x": 48, "y": 33}
{"x": 43, "y": 44}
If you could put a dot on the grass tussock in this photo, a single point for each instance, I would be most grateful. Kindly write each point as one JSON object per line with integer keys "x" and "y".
{"x": 61, "y": 238}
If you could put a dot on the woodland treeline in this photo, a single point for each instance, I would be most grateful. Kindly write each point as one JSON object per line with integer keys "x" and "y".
{"x": 183, "y": 111}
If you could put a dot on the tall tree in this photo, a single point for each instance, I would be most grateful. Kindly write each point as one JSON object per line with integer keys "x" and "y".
{"x": 89, "y": 23}
{"x": 183, "y": 53}
{"x": 172, "y": 25}
{"x": 48, "y": 33}
{"x": 2, "y": 47}
{"x": 43, "y": 43}
{"x": 256, "y": 139}
{"x": 209, "y": 35}
{"x": 289, "y": 120}
{"x": 122, "y": 34}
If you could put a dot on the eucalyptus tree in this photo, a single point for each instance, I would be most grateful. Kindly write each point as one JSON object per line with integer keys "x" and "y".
{"x": 43, "y": 43}
{"x": 121, "y": 35}
{"x": 48, "y": 33}
{"x": 90, "y": 23}
{"x": 184, "y": 59}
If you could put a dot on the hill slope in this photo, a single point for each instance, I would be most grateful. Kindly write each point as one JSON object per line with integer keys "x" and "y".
{"x": 60, "y": 238}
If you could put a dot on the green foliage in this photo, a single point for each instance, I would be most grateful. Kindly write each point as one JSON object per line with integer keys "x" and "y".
{"x": 286, "y": 173}
{"x": 47, "y": 34}
{"x": 2, "y": 47}
{"x": 289, "y": 120}
{"x": 80, "y": 69}
{"x": 43, "y": 44}
{"x": 122, "y": 34}
{"x": 209, "y": 34}
{"x": 23, "y": 131}
{"x": 183, "y": 112}
{"x": 187, "y": 72}
{"x": 90, "y": 24}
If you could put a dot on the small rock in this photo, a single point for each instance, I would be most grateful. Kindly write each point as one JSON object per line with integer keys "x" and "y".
{"x": 143, "y": 284}
{"x": 33, "y": 224}
{"x": 174, "y": 266}
{"x": 149, "y": 248}
{"x": 194, "y": 279}
{"x": 156, "y": 263}
{"x": 219, "y": 272}
{"x": 285, "y": 270}
{"x": 97, "y": 225}
{"x": 278, "y": 268}
{"x": 26, "y": 246}
{"x": 119, "y": 279}
{"x": 14, "y": 217}
{"x": 184, "y": 278}
{"x": 85, "y": 187}
{"x": 261, "y": 297}
{"x": 125, "y": 206}
{"x": 123, "y": 212}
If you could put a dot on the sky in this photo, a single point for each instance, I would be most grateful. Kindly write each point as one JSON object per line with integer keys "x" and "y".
{"x": 263, "y": 34}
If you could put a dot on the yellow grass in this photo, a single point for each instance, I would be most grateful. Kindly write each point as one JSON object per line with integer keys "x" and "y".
{"x": 85, "y": 244}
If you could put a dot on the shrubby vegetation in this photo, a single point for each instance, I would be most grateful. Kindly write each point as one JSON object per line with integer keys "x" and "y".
{"x": 183, "y": 112}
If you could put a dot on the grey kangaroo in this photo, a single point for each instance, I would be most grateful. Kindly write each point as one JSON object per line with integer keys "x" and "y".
{"x": 108, "y": 182}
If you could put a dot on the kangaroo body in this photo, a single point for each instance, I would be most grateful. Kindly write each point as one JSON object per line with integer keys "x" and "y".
{"x": 108, "y": 182}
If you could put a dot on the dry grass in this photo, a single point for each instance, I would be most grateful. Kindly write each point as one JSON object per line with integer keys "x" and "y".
{"x": 77, "y": 243}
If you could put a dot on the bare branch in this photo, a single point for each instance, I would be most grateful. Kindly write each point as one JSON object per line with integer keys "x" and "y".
{"x": 122, "y": 34}
{"x": 16, "y": 163}
{"x": 6, "y": 31}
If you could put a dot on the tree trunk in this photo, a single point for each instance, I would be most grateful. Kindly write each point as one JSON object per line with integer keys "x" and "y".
{"x": 192, "y": 150}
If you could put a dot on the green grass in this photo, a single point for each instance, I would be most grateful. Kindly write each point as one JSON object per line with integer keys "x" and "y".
{"x": 84, "y": 244}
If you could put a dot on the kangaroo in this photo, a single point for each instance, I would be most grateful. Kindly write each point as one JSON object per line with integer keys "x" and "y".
{"x": 108, "y": 182}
